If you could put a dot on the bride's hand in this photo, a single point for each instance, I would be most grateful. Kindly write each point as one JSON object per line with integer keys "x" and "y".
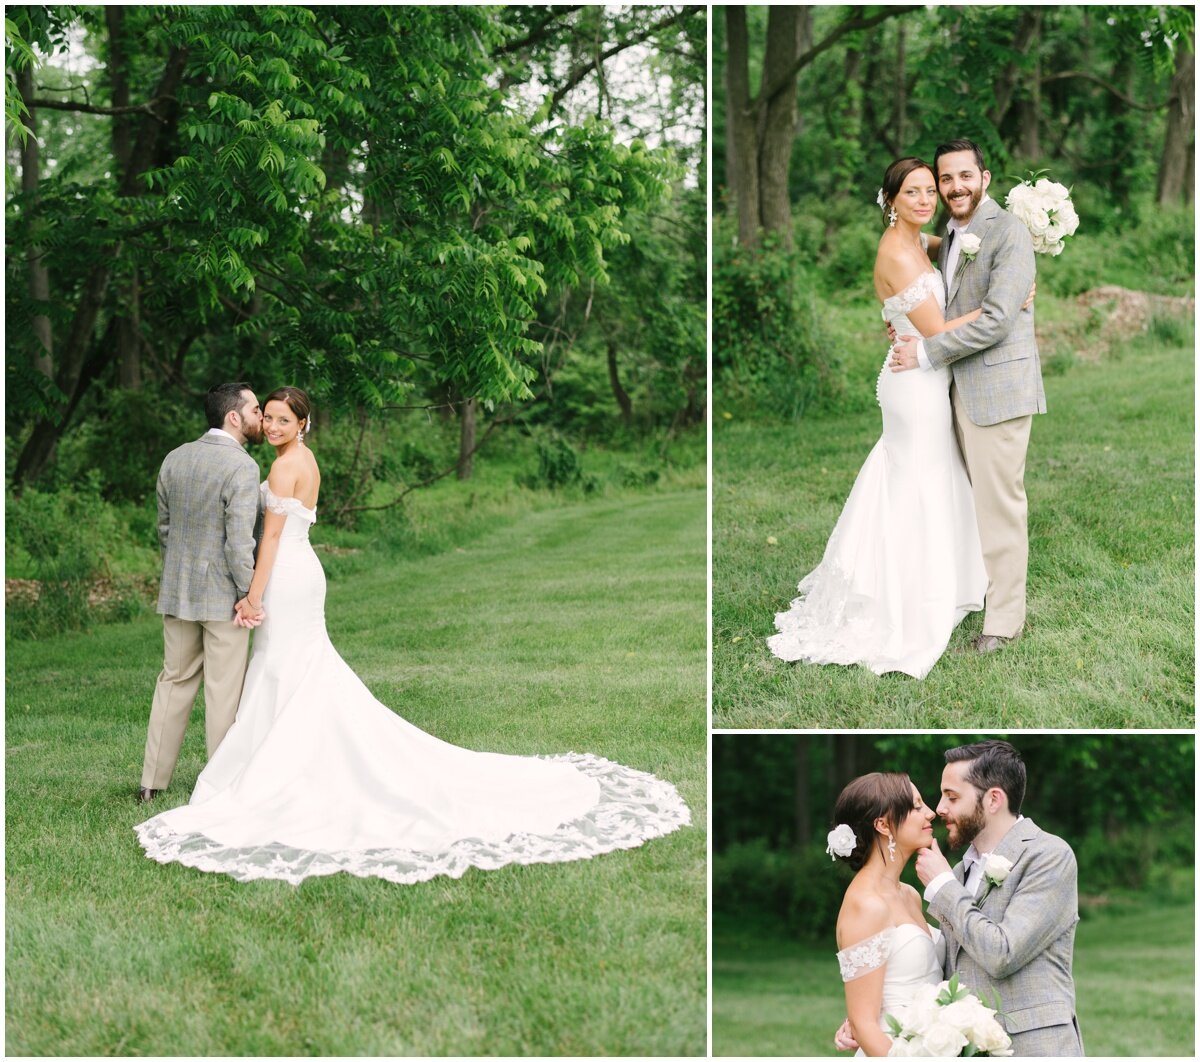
{"x": 1029, "y": 300}
{"x": 843, "y": 1039}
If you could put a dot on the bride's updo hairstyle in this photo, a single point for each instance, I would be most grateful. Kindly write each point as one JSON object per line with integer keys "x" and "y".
{"x": 880, "y": 795}
{"x": 297, "y": 401}
{"x": 894, "y": 176}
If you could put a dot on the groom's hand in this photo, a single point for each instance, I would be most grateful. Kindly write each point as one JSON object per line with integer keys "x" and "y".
{"x": 843, "y": 1039}
{"x": 931, "y": 863}
{"x": 904, "y": 354}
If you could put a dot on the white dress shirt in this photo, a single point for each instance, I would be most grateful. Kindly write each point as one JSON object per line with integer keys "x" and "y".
{"x": 221, "y": 431}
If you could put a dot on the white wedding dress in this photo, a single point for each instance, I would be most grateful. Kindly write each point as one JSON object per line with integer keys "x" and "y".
{"x": 913, "y": 958}
{"x": 904, "y": 564}
{"x": 316, "y": 776}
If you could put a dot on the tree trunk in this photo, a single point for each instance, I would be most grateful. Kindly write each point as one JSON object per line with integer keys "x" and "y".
{"x": 803, "y": 832}
{"x": 77, "y": 348}
{"x": 466, "y": 440}
{"x": 39, "y": 275}
{"x": 128, "y": 352}
{"x": 845, "y": 758}
{"x": 129, "y": 337}
{"x": 1178, "y": 144}
{"x": 1029, "y": 110}
{"x": 1006, "y": 83}
{"x": 118, "y": 77}
{"x": 900, "y": 120}
{"x": 618, "y": 391}
{"x": 779, "y": 121}
{"x": 741, "y": 141}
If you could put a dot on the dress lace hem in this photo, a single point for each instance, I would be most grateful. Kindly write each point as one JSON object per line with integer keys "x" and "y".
{"x": 633, "y": 807}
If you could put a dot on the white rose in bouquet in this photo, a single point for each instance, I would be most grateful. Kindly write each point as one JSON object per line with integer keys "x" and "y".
{"x": 944, "y": 1021}
{"x": 1046, "y": 210}
{"x": 944, "y": 1041}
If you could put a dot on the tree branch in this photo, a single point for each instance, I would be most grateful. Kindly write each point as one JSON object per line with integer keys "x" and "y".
{"x": 802, "y": 61}
{"x": 88, "y": 108}
{"x": 580, "y": 72}
{"x": 539, "y": 33}
{"x": 1088, "y": 76}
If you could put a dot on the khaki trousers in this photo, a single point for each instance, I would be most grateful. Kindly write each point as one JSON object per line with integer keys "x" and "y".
{"x": 995, "y": 459}
{"x": 213, "y": 649}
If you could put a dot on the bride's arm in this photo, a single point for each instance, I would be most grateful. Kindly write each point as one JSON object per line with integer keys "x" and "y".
{"x": 282, "y": 484}
{"x": 864, "y": 984}
{"x": 930, "y": 320}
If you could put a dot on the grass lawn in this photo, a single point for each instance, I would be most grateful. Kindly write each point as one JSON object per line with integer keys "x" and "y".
{"x": 1109, "y": 640}
{"x": 575, "y": 628}
{"x": 1134, "y": 982}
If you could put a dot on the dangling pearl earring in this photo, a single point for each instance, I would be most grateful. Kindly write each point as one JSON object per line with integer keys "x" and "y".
{"x": 892, "y": 217}
{"x": 891, "y": 848}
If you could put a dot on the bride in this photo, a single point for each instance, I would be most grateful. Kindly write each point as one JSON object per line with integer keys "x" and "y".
{"x": 316, "y": 776}
{"x": 904, "y": 564}
{"x": 886, "y": 948}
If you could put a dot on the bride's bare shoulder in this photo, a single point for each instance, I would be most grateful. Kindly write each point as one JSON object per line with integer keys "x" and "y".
{"x": 864, "y": 913}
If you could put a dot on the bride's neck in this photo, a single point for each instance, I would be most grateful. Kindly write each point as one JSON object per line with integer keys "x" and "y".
{"x": 882, "y": 871}
{"x": 909, "y": 233}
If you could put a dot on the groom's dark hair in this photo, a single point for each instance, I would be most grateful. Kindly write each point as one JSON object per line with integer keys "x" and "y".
{"x": 957, "y": 145}
{"x": 223, "y": 399}
{"x": 994, "y": 765}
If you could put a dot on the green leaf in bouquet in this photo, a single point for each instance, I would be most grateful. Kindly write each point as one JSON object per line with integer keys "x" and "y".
{"x": 894, "y": 1027}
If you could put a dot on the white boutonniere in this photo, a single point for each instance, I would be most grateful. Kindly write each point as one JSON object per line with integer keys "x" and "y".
{"x": 996, "y": 870}
{"x": 970, "y": 244}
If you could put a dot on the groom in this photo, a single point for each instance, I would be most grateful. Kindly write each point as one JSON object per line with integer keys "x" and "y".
{"x": 207, "y": 508}
{"x": 1008, "y": 911}
{"x": 986, "y": 259}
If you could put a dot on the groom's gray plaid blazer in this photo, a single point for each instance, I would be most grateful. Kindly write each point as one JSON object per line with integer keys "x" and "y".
{"x": 994, "y": 359}
{"x": 207, "y": 507}
{"x": 1018, "y": 940}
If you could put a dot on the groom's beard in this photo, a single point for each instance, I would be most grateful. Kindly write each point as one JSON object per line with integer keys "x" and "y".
{"x": 975, "y": 197}
{"x": 964, "y": 829}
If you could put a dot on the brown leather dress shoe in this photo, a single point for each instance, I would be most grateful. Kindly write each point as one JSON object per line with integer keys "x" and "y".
{"x": 146, "y": 795}
{"x": 989, "y": 643}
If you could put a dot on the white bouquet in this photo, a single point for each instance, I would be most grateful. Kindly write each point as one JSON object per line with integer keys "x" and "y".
{"x": 1046, "y": 210}
{"x": 945, "y": 1021}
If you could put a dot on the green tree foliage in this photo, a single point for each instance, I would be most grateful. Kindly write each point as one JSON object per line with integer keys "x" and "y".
{"x": 345, "y": 197}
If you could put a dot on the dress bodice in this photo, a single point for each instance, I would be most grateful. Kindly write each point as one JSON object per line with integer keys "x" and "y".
{"x": 896, "y": 307}
{"x": 299, "y": 518}
{"x": 912, "y": 958}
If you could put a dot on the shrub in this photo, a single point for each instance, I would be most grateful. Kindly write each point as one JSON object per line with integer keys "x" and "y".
{"x": 769, "y": 347}
{"x": 559, "y": 466}
{"x": 59, "y": 540}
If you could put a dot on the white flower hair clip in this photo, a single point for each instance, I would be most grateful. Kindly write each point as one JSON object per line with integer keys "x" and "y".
{"x": 879, "y": 199}
{"x": 842, "y": 841}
